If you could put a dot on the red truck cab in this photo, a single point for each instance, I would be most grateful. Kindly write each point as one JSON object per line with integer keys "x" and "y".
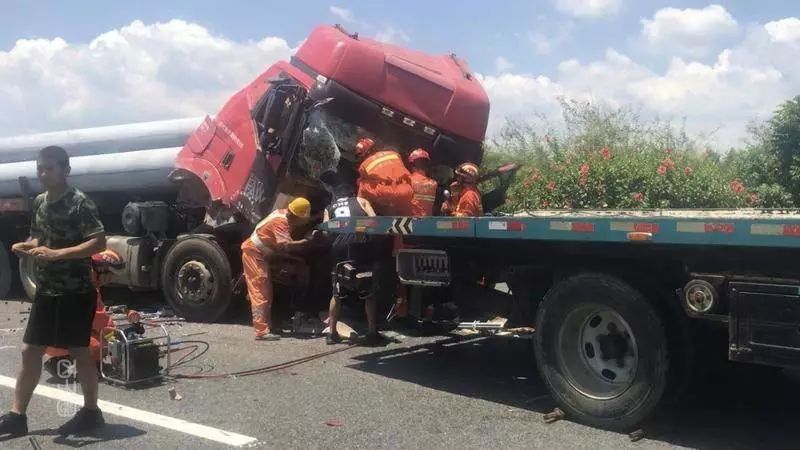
{"x": 244, "y": 155}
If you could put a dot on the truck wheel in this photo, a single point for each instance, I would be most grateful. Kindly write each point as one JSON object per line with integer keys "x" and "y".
{"x": 196, "y": 279}
{"x": 601, "y": 351}
{"x": 27, "y": 276}
{"x": 5, "y": 270}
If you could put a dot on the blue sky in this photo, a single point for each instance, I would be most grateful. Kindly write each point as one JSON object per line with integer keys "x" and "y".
{"x": 651, "y": 55}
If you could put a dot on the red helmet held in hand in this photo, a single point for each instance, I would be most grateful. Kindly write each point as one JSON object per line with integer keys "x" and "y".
{"x": 364, "y": 147}
{"x": 418, "y": 155}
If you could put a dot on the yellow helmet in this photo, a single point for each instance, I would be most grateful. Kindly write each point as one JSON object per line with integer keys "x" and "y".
{"x": 300, "y": 208}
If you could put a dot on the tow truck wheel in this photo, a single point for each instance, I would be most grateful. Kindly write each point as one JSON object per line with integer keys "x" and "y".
{"x": 601, "y": 350}
{"x": 196, "y": 279}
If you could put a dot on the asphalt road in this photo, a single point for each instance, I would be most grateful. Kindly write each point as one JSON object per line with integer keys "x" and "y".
{"x": 422, "y": 392}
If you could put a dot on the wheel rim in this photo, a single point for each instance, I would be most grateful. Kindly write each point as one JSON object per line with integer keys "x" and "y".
{"x": 597, "y": 352}
{"x": 195, "y": 282}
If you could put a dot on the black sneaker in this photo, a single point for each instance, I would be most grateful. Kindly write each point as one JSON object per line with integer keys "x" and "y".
{"x": 13, "y": 424}
{"x": 83, "y": 421}
{"x": 374, "y": 340}
{"x": 333, "y": 338}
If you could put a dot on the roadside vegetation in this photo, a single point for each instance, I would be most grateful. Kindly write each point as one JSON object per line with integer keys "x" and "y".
{"x": 601, "y": 157}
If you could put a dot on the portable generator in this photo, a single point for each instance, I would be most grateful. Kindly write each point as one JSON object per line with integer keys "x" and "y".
{"x": 129, "y": 357}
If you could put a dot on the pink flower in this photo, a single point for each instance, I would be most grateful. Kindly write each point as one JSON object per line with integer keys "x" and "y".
{"x": 661, "y": 170}
{"x": 536, "y": 175}
{"x": 688, "y": 171}
{"x": 551, "y": 185}
{"x": 668, "y": 150}
{"x": 753, "y": 198}
{"x": 584, "y": 170}
{"x": 545, "y": 203}
{"x": 668, "y": 163}
{"x": 638, "y": 197}
{"x": 526, "y": 183}
{"x": 605, "y": 153}
{"x": 737, "y": 186}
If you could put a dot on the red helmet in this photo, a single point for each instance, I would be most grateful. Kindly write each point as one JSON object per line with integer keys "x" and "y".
{"x": 417, "y": 155}
{"x": 363, "y": 147}
{"x": 106, "y": 260}
{"x": 469, "y": 171}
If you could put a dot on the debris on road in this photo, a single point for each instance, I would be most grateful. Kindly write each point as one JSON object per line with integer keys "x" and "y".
{"x": 554, "y": 416}
{"x": 174, "y": 395}
{"x": 637, "y": 435}
{"x": 334, "y": 423}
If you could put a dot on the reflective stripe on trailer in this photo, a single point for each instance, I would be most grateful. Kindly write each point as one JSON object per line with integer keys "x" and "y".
{"x": 775, "y": 229}
{"x": 639, "y": 227}
{"x": 576, "y": 227}
{"x": 705, "y": 227}
{"x": 506, "y": 225}
{"x": 452, "y": 224}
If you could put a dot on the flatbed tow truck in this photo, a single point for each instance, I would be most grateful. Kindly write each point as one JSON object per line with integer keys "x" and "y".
{"x": 623, "y": 303}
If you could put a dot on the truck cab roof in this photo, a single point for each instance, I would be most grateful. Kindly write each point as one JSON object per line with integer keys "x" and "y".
{"x": 439, "y": 91}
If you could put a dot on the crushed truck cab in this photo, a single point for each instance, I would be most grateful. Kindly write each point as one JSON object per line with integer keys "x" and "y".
{"x": 241, "y": 159}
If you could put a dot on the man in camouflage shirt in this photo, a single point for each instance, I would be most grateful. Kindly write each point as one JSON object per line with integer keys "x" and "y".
{"x": 65, "y": 232}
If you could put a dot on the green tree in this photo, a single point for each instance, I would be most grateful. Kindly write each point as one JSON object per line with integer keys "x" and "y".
{"x": 783, "y": 141}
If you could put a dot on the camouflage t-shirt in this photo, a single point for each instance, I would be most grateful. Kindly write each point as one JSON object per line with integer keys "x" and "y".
{"x": 66, "y": 221}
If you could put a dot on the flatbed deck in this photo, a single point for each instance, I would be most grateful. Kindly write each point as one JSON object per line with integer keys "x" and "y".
{"x": 742, "y": 228}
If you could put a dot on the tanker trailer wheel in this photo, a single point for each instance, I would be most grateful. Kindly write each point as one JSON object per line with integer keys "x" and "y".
{"x": 27, "y": 276}
{"x": 601, "y": 350}
{"x": 5, "y": 270}
{"x": 196, "y": 279}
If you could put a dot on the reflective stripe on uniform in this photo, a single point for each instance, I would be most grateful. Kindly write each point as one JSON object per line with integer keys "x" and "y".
{"x": 254, "y": 236}
{"x": 379, "y": 161}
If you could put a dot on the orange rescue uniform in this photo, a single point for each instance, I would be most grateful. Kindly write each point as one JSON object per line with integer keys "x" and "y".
{"x": 386, "y": 183}
{"x": 468, "y": 203}
{"x": 424, "y": 193}
{"x": 268, "y": 235}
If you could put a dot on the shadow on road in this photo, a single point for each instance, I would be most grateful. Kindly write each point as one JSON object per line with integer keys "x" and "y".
{"x": 744, "y": 407}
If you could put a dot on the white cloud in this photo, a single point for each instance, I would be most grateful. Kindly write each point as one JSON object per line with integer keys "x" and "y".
{"x": 784, "y": 30}
{"x": 135, "y": 73}
{"x": 688, "y": 31}
{"x": 342, "y": 13}
{"x": 392, "y": 35}
{"x": 589, "y": 8}
{"x": 744, "y": 82}
{"x": 541, "y": 44}
{"x": 501, "y": 64}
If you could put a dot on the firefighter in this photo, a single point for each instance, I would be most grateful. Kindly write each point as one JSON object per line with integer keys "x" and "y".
{"x": 465, "y": 199}
{"x": 424, "y": 187}
{"x": 384, "y": 180}
{"x": 277, "y": 241}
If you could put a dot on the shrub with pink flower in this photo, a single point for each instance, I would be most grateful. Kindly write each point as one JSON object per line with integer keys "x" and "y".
{"x": 605, "y": 153}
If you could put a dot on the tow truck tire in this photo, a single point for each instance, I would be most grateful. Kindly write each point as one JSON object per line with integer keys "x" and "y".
{"x": 5, "y": 270}
{"x": 196, "y": 279}
{"x": 601, "y": 350}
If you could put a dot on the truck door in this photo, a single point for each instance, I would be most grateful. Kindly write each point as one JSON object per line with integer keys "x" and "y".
{"x": 240, "y": 154}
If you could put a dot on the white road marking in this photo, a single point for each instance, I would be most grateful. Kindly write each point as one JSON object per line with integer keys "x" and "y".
{"x": 138, "y": 415}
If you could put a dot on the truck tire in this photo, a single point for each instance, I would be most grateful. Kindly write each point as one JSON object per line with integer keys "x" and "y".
{"x": 27, "y": 276}
{"x": 5, "y": 270}
{"x": 602, "y": 351}
{"x": 196, "y": 279}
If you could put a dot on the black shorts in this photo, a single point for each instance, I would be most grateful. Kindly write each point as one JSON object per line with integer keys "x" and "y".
{"x": 62, "y": 321}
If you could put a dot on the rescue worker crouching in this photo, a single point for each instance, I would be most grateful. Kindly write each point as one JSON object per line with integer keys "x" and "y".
{"x": 276, "y": 242}
{"x": 465, "y": 199}
{"x": 424, "y": 187}
{"x": 384, "y": 180}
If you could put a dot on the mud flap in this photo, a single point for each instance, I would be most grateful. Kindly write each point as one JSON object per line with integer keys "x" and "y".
{"x": 764, "y": 324}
